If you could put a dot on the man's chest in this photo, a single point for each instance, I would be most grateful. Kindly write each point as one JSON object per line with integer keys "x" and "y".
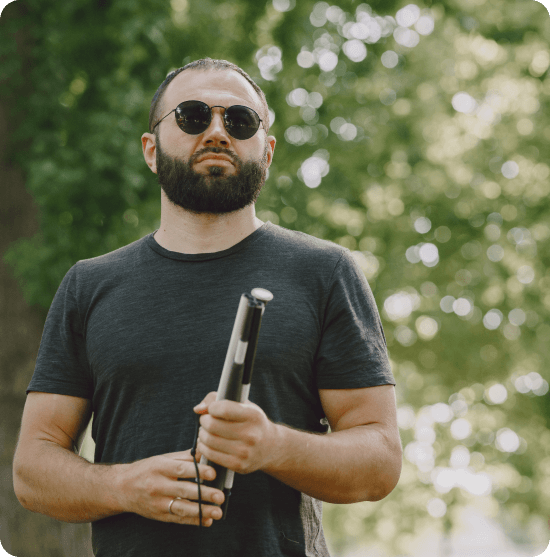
{"x": 166, "y": 340}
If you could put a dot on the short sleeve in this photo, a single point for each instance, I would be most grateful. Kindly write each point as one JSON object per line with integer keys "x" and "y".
{"x": 62, "y": 365}
{"x": 352, "y": 352}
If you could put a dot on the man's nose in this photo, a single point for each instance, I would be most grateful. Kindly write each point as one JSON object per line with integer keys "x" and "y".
{"x": 216, "y": 134}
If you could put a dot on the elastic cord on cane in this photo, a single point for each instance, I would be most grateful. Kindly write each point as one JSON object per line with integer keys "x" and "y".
{"x": 193, "y": 453}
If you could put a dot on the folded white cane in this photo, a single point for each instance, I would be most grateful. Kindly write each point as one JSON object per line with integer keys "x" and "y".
{"x": 237, "y": 370}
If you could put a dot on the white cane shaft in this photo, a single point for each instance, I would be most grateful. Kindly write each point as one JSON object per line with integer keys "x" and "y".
{"x": 229, "y": 479}
{"x": 231, "y": 351}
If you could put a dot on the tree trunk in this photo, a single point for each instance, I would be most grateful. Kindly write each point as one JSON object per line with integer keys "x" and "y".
{"x": 22, "y": 533}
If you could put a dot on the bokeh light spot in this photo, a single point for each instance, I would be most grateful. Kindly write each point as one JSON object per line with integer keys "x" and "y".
{"x": 405, "y": 417}
{"x": 517, "y": 316}
{"x": 510, "y": 169}
{"x": 495, "y": 252}
{"x": 408, "y": 15}
{"x": 406, "y": 37}
{"x": 507, "y": 441}
{"x": 461, "y": 429}
{"x": 355, "y": 50}
{"x": 441, "y": 413}
{"x": 404, "y": 335}
{"x": 496, "y": 394}
{"x": 297, "y": 97}
{"x": 463, "y": 102}
{"x": 422, "y": 225}
{"x": 400, "y": 305}
{"x": 436, "y": 507}
{"x": 446, "y": 304}
{"x": 327, "y": 60}
{"x": 313, "y": 170}
{"x": 424, "y": 25}
{"x": 284, "y": 5}
{"x": 442, "y": 234}
{"x": 526, "y": 274}
{"x": 429, "y": 254}
{"x": 413, "y": 254}
{"x": 427, "y": 327}
{"x": 492, "y": 319}
{"x": 305, "y": 59}
{"x": 462, "y": 306}
{"x": 460, "y": 457}
{"x": 389, "y": 59}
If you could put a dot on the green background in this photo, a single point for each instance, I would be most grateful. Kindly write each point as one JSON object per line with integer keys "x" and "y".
{"x": 428, "y": 158}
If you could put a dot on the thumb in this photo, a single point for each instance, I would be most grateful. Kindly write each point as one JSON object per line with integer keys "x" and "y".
{"x": 202, "y": 407}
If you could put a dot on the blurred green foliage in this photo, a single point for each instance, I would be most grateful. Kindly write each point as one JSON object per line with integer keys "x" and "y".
{"x": 413, "y": 135}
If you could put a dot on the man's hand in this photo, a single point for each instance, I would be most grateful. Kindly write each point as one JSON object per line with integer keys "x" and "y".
{"x": 359, "y": 460}
{"x": 49, "y": 478}
{"x": 237, "y": 436}
{"x": 148, "y": 486}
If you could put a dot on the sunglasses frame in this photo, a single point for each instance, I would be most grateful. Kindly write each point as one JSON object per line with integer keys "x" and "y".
{"x": 225, "y": 123}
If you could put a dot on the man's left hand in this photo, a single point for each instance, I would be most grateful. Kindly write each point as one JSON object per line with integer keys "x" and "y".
{"x": 237, "y": 436}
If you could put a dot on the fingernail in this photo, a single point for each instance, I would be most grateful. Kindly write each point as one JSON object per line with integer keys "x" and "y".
{"x": 218, "y": 499}
{"x": 200, "y": 406}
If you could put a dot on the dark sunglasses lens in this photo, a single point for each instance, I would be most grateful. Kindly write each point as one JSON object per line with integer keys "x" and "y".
{"x": 241, "y": 122}
{"x": 193, "y": 117}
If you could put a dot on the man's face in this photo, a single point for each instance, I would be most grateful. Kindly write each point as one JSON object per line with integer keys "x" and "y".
{"x": 214, "y": 190}
{"x": 211, "y": 172}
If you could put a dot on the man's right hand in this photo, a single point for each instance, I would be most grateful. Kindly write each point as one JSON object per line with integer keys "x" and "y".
{"x": 49, "y": 478}
{"x": 147, "y": 487}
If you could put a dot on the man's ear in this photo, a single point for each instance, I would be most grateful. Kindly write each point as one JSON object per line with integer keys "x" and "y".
{"x": 149, "y": 145}
{"x": 270, "y": 149}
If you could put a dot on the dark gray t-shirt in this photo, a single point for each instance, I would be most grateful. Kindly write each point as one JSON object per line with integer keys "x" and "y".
{"x": 142, "y": 332}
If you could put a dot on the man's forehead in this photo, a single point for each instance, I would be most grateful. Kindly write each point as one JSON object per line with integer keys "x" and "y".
{"x": 212, "y": 87}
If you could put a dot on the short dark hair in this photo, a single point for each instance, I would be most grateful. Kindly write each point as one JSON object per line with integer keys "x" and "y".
{"x": 205, "y": 64}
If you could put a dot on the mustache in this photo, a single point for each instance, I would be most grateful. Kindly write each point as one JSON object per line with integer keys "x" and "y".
{"x": 216, "y": 150}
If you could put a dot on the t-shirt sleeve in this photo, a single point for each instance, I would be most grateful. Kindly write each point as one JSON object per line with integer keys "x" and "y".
{"x": 352, "y": 352}
{"x": 62, "y": 365}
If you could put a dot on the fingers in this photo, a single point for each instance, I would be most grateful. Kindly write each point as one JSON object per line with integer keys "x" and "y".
{"x": 234, "y": 411}
{"x": 180, "y": 455}
{"x": 228, "y": 410}
{"x": 187, "y": 512}
{"x": 221, "y": 428}
{"x": 178, "y": 502}
{"x": 149, "y": 486}
{"x": 226, "y": 459}
{"x": 185, "y": 468}
{"x": 198, "y": 456}
{"x": 190, "y": 491}
{"x": 227, "y": 443}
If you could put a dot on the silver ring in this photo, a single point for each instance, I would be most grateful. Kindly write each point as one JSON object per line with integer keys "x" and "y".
{"x": 170, "y": 505}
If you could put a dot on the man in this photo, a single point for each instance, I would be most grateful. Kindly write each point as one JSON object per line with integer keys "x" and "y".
{"x": 139, "y": 336}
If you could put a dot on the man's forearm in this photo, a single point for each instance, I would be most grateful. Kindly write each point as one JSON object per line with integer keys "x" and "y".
{"x": 54, "y": 481}
{"x": 357, "y": 464}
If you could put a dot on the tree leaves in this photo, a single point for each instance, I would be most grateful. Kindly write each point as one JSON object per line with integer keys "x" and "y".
{"x": 423, "y": 157}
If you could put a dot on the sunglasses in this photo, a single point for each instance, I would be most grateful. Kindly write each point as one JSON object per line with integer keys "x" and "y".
{"x": 194, "y": 117}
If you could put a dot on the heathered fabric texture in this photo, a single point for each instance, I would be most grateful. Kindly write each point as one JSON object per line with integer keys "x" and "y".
{"x": 143, "y": 333}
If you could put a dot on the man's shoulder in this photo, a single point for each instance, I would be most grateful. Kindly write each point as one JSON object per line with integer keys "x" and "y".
{"x": 121, "y": 259}
{"x": 304, "y": 244}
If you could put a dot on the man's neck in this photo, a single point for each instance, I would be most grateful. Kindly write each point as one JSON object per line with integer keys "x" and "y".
{"x": 185, "y": 232}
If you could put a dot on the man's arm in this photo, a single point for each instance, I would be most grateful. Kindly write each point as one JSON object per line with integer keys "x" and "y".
{"x": 359, "y": 460}
{"x": 49, "y": 478}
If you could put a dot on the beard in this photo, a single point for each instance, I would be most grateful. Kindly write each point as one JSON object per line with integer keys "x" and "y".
{"x": 213, "y": 193}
